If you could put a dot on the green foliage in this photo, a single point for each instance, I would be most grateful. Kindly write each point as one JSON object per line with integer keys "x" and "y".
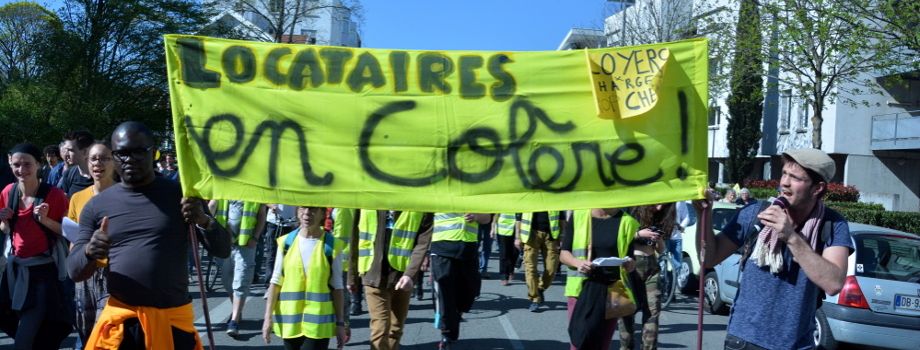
{"x": 824, "y": 49}
{"x": 21, "y": 25}
{"x": 838, "y": 192}
{"x": 774, "y": 184}
{"x": 102, "y": 64}
{"x": 901, "y": 221}
{"x": 854, "y": 205}
{"x": 762, "y": 193}
{"x": 863, "y": 216}
{"x": 896, "y": 220}
{"x": 745, "y": 104}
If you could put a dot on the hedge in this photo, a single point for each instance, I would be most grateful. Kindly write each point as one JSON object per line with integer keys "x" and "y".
{"x": 897, "y": 220}
{"x": 854, "y": 205}
{"x": 836, "y": 192}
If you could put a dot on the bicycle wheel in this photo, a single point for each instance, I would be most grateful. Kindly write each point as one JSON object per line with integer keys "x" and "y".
{"x": 212, "y": 273}
{"x": 667, "y": 280}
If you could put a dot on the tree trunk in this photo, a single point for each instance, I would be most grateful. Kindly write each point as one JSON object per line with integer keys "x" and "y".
{"x": 816, "y": 122}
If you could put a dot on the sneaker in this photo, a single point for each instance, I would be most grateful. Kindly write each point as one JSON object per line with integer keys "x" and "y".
{"x": 542, "y": 298}
{"x": 504, "y": 282}
{"x": 485, "y": 275}
{"x": 232, "y": 328}
{"x": 510, "y": 277}
{"x": 445, "y": 343}
{"x": 534, "y": 307}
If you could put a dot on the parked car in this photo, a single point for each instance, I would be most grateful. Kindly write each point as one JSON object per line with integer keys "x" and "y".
{"x": 688, "y": 274}
{"x": 880, "y": 301}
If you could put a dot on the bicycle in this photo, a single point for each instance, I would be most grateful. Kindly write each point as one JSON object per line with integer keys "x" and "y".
{"x": 667, "y": 279}
{"x": 210, "y": 268}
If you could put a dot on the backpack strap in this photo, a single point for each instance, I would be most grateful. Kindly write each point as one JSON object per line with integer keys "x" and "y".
{"x": 289, "y": 240}
{"x": 750, "y": 239}
{"x": 12, "y": 202}
{"x": 328, "y": 249}
{"x": 40, "y": 195}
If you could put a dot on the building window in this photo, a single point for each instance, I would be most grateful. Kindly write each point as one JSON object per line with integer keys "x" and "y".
{"x": 274, "y": 5}
{"x": 785, "y": 111}
{"x": 714, "y": 115}
{"x": 803, "y": 117}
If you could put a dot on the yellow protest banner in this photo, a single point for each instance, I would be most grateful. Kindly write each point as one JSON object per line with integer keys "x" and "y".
{"x": 438, "y": 131}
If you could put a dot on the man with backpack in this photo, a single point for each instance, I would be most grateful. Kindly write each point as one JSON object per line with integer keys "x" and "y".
{"x": 795, "y": 249}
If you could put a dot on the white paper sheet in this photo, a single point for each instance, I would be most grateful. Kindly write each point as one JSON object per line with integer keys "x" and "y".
{"x": 70, "y": 229}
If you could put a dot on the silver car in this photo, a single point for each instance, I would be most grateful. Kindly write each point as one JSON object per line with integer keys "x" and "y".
{"x": 880, "y": 301}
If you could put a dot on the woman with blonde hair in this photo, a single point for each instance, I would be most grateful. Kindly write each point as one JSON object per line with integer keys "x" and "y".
{"x": 730, "y": 196}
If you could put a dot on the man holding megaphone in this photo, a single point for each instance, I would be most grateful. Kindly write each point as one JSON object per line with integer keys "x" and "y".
{"x": 799, "y": 251}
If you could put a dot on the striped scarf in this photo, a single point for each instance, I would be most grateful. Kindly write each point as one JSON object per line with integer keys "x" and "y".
{"x": 769, "y": 250}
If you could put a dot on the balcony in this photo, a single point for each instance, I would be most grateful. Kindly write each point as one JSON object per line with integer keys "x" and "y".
{"x": 896, "y": 131}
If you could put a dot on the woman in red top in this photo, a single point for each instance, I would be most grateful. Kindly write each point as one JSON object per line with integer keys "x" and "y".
{"x": 32, "y": 281}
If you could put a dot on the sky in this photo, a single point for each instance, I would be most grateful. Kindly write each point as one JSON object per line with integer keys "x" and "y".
{"x": 476, "y": 25}
{"x": 480, "y": 25}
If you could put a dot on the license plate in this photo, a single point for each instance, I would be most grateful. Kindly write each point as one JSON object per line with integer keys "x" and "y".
{"x": 906, "y": 302}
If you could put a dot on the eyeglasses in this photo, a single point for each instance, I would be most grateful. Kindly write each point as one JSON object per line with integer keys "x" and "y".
{"x": 103, "y": 160}
{"x": 137, "y": 153}
{"x": 310, "y": 208}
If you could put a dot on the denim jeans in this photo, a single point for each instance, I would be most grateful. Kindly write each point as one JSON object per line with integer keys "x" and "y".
{"x": 734, "y": 343}
{"x": 485, "y": 246}
{"x": 675, "y": 247}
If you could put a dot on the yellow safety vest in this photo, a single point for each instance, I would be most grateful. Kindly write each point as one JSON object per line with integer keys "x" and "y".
{"x": 304, "y": 306}
{"x": 527, "y": 221}
{"x": 342, "y": 229}
{"x": 505, "y": 225}
{"x": 405, "y": 231}
{"x": 580, "y": 220}
{"x": 247, "y": 221}
{"x": 453, "y": 227}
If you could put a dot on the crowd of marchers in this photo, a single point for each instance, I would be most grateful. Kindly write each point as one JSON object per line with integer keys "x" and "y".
{"x": 97, "y": 240}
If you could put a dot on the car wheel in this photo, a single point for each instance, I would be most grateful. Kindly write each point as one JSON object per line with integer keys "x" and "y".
{"x": 687, "y": 281}
{"x": 713, "y": 299}
{"x": 824, "y": 339}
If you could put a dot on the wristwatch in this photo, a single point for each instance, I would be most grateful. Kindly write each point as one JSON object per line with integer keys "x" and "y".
{"x": 211, "y": 220}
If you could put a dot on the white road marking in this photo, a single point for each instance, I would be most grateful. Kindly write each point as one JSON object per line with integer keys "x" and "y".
{"x": 512, "y": 335}
{"x": 218, "y": 315}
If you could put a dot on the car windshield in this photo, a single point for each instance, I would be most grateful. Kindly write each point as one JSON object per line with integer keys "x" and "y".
{"x": 893, "y": 258}
{"x": 720, "y": 217}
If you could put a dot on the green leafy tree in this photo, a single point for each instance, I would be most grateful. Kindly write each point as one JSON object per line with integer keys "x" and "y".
{"x": 745, "y": 104}
{"x": 103, "y": 66}
{"x": 21, "y": 25}
{"x": 826, "y": 53}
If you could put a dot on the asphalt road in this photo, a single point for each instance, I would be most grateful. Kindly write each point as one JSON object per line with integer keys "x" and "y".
{"x": 499, "y": 320}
